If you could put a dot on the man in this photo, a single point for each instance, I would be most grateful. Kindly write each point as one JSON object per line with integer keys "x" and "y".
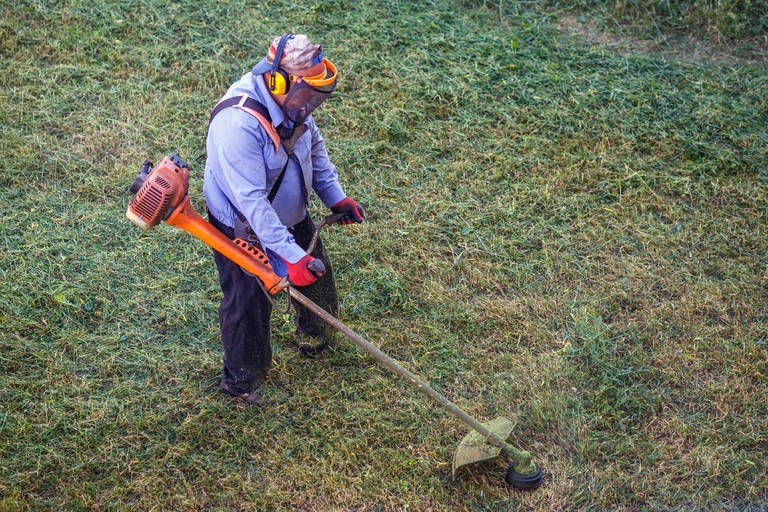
{"x": 265, "y": 155}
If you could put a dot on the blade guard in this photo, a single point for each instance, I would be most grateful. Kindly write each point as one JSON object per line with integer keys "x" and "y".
{"x": 474, "y": 448}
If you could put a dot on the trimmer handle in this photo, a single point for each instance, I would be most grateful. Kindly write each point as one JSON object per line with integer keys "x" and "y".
{"x": 327, "y": 220}
{"x": 331, "y": 219}
{"x": 317, "y": 267}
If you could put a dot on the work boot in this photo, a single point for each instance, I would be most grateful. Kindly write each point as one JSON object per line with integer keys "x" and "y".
{"x": 251, "y": 398}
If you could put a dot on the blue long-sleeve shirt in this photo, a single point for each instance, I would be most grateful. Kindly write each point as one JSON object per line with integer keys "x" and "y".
{"x": 243, "y": 164}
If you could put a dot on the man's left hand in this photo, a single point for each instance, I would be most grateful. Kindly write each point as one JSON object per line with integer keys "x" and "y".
{"x": 354, "y": 212}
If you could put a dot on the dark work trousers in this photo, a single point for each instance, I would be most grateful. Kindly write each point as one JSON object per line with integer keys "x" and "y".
{"x": 245, "y": 311}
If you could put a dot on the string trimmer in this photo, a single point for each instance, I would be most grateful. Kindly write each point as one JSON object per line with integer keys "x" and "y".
{"x": 161, "y": 194}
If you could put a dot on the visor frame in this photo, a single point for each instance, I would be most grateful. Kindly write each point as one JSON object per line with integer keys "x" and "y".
{"x": 321, "y": 84}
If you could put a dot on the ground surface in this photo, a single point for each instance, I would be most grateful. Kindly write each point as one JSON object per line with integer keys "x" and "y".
{"x": 566, "y": 225}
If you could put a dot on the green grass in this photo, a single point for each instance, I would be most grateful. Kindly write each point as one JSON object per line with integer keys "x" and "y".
{"x": 725, "y": 20}
{"x": 559, "y": 230}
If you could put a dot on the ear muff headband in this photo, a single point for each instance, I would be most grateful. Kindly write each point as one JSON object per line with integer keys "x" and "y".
{"x": 278, "y": 79}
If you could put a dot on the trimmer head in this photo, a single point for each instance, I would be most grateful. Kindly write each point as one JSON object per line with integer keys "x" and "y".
{"x": 476, "y": 448}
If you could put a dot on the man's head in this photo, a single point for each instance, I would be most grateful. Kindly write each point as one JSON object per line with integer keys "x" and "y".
{"x": 297, "y": 75}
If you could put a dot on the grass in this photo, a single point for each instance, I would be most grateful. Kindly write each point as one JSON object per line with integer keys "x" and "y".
{"x": 725, "y": 20}
{"x": 562, "y": 231}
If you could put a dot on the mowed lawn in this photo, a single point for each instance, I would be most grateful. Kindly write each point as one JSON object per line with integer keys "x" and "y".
{"x": 566, "y": 226}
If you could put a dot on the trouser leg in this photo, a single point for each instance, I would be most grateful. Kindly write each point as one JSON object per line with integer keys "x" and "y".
{"x": 244, "y": 315}
{"x": 322, "y": 292}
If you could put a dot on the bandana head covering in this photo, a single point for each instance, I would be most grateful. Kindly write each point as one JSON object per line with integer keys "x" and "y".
{"x": 299, "y": 54}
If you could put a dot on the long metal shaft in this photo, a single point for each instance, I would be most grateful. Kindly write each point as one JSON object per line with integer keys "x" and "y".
{"x": 522, "y": 458}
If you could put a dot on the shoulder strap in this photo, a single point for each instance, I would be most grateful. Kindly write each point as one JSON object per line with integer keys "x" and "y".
{"x": 253, "y": 107}
{"x": 261, "y": 113}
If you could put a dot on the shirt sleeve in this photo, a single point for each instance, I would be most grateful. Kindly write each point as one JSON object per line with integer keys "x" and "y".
{"x": 239, "y": 150}
{"x": 325, "y": 177}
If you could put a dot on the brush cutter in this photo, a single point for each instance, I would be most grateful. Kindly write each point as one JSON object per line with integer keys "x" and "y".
{"x": 161, "y": 194}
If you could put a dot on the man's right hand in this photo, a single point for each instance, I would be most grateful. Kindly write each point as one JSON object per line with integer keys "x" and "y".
{"x": 305, "y": 271}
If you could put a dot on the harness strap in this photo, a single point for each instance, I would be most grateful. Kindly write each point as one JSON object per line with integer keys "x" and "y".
{"x": 260, "y": 112}
{"x": 253, "y": 107}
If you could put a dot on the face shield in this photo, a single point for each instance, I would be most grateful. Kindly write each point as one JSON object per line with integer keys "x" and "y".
{"x": 307, "y": 93}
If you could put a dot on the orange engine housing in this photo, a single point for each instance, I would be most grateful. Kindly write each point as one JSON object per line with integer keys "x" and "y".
{"x": 163, "y": 190}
